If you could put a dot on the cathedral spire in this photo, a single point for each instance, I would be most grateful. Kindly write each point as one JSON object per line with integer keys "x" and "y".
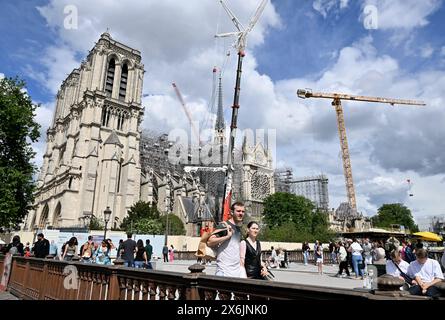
{"x": 220, "y": 124}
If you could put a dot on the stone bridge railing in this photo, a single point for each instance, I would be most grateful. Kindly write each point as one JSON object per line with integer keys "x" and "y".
{"x": 47, "y": 279}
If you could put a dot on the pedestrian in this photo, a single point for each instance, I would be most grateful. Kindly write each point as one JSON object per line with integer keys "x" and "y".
{"x": 332, "y": 253}
{"x": 250, "y": 253}
{"x": 366, "y": 254}
{"x": 226, "y": 242}
{"x": 149, "y": 252}
{"x": 165, "y": 252}
{"x": 171, "y": 253}
{"x": 87, "y": 249}
{"x": 319, "y": 257}
{"x": 129, "y": 248}
{"x": 53, "y": 250}
{"x": 426, "y": 273}
{"x": 357, "y": 260}
{"x": 343, "y": 259}
{"x": 41, "y": 247}
{"x": 15, "y": 247}
{"x": 140, "y": 261}
{"x": 70, "y": 249}
{"x": 273, "y": 257}
{"x": 316, "y": 244}
{"x": 102, "y": 253}
{"x": 120, "y": 249}
{"x": 305, "y": 248}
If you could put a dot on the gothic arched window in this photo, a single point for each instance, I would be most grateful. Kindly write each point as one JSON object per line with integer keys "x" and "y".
{"x": 110, "y": 77}
{"x": 123, "y": 85}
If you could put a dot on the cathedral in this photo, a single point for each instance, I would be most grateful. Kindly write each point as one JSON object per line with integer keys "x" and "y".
{"x": 95, "y": 160}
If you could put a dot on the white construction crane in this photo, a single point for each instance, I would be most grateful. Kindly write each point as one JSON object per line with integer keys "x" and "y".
{"x": 187, "y": 113}
{"x": 240, "y": 45}
{"x": 337, "y": 97}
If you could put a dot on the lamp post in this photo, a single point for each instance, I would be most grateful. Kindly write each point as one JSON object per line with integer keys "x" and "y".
{"x": 107, "y": 216}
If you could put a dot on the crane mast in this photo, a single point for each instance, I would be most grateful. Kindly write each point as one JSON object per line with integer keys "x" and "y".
{"x": 337, "y": 97}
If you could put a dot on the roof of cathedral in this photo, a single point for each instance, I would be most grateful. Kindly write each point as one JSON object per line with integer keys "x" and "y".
{"x": 113, "y": 139}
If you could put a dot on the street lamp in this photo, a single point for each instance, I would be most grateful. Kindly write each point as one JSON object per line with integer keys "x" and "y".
{"x": 107, "y": 216}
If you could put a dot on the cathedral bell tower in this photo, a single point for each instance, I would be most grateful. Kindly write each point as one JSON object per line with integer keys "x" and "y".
{"x": 92, "y": 154}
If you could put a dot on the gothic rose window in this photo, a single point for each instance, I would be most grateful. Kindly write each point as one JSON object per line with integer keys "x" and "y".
{"x": 260, "y": 186}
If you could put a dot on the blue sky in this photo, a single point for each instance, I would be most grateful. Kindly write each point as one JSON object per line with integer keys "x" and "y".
{"x": 320, "y": 44}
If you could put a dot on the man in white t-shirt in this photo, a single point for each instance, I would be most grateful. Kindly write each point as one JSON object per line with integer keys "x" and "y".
{"x": 228, "y": 263}
{"x": 426, "y": 273}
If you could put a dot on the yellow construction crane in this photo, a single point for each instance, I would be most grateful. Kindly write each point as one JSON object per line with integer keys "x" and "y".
{"x": 337, "y": 97}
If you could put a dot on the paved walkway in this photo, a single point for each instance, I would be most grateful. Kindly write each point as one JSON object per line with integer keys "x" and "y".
{"x": 297, "y": 273}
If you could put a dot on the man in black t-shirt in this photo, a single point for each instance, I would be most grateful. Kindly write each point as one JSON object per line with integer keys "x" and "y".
{"x": 41, "y": 247}
{"x": 129, "y": 248}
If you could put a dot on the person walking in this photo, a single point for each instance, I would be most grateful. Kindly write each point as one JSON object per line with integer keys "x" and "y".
{"x": 41, "y": 247}
{"x": 356, "y": 251}
{"x": 70, "y": 249}
{"x": 171, "y": 253}
{"x": 165, "y": 252}
{"x": 140, "y": 261}
{"x": 149, "y": 252}
{"x": 250, "y": 253}
{"x": 332, "y": 253}
{"x": 129, "y": 248}
{"x": 102, "y": 253}
{"x": 319, "y": 258}
{"x": 226, "y": 242}
{"x": 343, "y": 259}
{"x": 305, "y": 248}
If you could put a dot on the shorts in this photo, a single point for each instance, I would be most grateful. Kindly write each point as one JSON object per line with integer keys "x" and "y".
{"x": 319, "y": 260}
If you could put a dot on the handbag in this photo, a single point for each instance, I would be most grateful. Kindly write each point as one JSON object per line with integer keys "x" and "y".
{"x": 206, "y": 252}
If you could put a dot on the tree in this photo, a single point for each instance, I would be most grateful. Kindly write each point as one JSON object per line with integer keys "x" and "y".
{"x": 139, "y": 211}
{"x": 95, "y": 224}
{"x": 293, "y": 218}
{"x": 17, "y": 131}
{"x": 176, "y": 227}
{"x": 147, "y": 226}
{"x": 394, "y": 213}
{"x": 282, "y": 208}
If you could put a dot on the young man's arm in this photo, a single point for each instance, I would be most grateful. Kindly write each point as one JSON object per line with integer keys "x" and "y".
{"x": 214, "y": 240}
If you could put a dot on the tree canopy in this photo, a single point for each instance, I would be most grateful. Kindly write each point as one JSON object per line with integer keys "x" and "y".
{"x": 394, "y": 213}
{"x": 17, "y": 131}
{"x": 293, "y": 218}
{"x": 143, "y": 218}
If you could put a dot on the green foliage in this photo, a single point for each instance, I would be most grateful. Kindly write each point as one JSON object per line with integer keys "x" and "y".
{"x": 394, "y": 213}
{"x": 96, "y": 224}
{"x": 282, "y": 208}
{"x": 176, "y": 227}
{"x": 143, "y": 218}
{"x": 147, "y": 226}
{"x": 292, "y": 218}
{"x": 17, "y": 131}
{"x": 139, "y": 211}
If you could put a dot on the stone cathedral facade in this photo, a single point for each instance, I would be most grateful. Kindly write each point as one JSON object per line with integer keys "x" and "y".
{"x": 96, "y": 157}
{"x": 92, "y": 154}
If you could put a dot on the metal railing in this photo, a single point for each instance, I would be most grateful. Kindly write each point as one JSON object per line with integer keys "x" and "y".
{"x": 47, "y": 279}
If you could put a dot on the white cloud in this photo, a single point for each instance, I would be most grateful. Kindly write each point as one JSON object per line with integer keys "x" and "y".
{"x": 2, "y": 75}
{"x": 426, "y": 51}
{"x": 177, "y": 44}
{"x": 324, "y": 6}
{"x": 403, "y": 14}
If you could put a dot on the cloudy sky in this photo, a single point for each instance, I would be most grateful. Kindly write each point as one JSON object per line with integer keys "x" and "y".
{"x": 388, "y": 48}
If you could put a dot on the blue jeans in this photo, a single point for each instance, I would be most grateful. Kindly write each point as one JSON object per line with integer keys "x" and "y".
{"x": 305, "y": 256}
{"x": 139, "y": 264}
{"x": 356, "y": 260}
{"x": 129, "y": 263}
